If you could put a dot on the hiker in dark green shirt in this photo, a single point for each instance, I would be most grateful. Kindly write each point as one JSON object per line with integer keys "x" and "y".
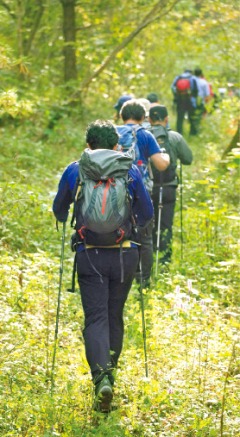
{"x": 178, "y": 149}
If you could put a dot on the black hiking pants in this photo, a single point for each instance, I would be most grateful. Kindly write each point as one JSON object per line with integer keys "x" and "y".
{"x": 103, "y": 298}
{"x": 184, "y": 107}
{"x": 167, "y": 216}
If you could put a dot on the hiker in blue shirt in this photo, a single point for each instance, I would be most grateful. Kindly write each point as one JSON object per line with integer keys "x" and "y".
{"x": 133, "y": 114}
{"x": 103, "y": 292}
{"x": 203, "y": 97}
{"x": 124, "y": 98}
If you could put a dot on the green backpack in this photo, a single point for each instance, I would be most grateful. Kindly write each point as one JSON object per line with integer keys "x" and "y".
{"x": 102, "y": 202}
{"x": 168, "y": 175}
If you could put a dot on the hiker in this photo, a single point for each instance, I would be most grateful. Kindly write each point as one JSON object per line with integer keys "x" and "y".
{"x": 185, "y": 91}
{"x": 177, "y": 148}
{"x": 147, "y": 105}
{"x": 106, "y": 268}
{"x": 119, "y": 104}
{"x": 204, "y": 95}
{"x": 146, "y": 148}
{"x": 153, "y": 99}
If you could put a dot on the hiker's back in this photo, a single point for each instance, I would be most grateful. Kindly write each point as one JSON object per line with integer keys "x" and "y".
{"x": 102, "y": 205}
{"x": 185, "y": 92}
{"x": 185, "y": 86}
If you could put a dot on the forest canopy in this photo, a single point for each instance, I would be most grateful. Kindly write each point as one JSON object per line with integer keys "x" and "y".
{"x": 56, "y": 51}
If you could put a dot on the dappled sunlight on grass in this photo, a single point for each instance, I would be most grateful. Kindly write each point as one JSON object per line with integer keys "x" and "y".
{"x": 191, "y": 310}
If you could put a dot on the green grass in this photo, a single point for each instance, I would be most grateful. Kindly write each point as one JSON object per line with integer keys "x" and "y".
{"x": 191, "y": 312}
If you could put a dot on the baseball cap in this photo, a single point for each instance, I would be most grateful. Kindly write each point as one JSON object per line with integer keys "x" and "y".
{"x": 158, "y": 112}
{"x": 146, "y": 104}
{"x": 121, "y": 101}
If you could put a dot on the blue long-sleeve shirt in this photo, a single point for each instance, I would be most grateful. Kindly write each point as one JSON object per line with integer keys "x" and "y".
{"x": 141, "y": 202}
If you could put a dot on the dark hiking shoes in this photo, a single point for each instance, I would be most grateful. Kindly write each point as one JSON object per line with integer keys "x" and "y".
{"x": 103, "y": 396}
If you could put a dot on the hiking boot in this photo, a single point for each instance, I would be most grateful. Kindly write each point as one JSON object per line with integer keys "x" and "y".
{"x": 103, "y": 396}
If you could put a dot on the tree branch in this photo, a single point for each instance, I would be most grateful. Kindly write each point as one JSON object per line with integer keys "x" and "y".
{"x": 5, "y": 6}
{"x": 148, "y": 19}
{"x": 234, "y": 142}
{"x": 35, "y": 26}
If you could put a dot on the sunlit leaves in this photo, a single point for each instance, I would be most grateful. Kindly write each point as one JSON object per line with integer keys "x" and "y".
{"x": 191, "y": 312}
{"x": 10, "y": 104}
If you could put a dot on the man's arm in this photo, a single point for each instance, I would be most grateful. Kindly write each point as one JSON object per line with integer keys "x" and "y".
{"x": 141, "y": 201}
{"x": 160, "y": 161}
{"x": 63, "y": 199}
{"x": 183, "y": 151}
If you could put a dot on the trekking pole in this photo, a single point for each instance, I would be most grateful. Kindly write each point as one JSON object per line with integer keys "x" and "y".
{"x": 58, "y": 306}
{"x": 72, "y": 289}
{"x": 160, "y": 205}
{"x": 181, "y": 210}
{"x": 143, "y": 320}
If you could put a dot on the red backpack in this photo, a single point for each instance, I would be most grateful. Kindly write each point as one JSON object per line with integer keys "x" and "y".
{"x": 183, "y": 86}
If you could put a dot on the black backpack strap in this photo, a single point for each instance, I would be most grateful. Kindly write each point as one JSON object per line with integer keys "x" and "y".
{"x": 75, "y": 196}
{"x": 121, "y": 263}
{"x": 194, "y": 90}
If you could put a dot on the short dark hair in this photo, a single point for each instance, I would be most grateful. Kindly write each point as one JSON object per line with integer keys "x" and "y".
{"x": 198, "y": 72}
{"x": 152, "y": 97}
{"x": 101, "y": 134}
{"x": 133, "y": 109}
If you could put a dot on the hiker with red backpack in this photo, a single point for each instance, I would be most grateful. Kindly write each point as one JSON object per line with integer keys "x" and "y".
{"x": 185, "y": 91}
{"x": 110, "y": 204}
{"x": 146, "y": 149}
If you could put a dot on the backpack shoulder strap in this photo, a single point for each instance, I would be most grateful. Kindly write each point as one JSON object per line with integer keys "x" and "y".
{"x": 75, "y": 195}
{"x": 137, "y": 127}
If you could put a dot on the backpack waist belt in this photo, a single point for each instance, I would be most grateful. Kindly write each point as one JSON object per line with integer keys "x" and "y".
{"x": 126, "y": 244}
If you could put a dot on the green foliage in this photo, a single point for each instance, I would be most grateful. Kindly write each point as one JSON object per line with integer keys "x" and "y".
{"x": 188, "y": 34}
{"x": 192, "y": 311}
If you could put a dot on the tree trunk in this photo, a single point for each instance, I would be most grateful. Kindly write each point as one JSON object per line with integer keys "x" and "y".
{"x": 35, "y": 14}
{"x": 235, "y": 142}
{"x": 69, "y": 33}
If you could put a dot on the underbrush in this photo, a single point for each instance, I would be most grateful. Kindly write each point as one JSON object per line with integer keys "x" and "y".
{"x": 191, "y": 311}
